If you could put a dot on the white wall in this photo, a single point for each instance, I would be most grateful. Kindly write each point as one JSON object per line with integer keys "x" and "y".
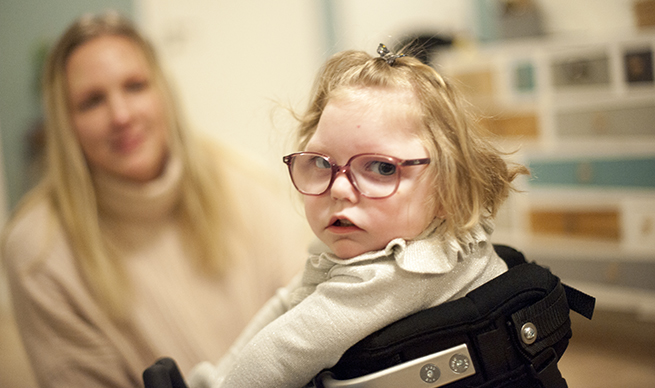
{"x": 363, "y": 24}
{"x": 592, "y": 18}
{"x": 234, "y": 60}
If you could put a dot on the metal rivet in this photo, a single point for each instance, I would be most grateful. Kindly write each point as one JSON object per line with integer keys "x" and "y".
{"x": 430, "y": 373}
{"x": 528, "y": 333}
{"x": 459, "y": 363}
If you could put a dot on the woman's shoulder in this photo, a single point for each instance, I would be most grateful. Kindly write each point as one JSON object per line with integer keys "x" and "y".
{"x": 28, "y": 235}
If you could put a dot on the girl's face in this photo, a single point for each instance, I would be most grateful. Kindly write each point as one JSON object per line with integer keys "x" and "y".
{"x": 369, "y": 120}
{"x": 116, "y": 112}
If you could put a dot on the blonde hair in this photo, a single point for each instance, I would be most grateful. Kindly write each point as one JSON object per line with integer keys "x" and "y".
{"x": 469, "y": 175}
{"x": 204, "y": 207}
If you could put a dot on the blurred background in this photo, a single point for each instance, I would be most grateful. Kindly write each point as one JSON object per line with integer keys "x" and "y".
{"x": 567, "y": 84}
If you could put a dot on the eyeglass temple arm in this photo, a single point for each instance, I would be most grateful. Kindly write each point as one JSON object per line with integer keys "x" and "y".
{"x": 415, "y": 162}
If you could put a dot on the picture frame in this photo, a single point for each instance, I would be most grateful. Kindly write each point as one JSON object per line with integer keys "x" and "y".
{"x": 638, "y": 66}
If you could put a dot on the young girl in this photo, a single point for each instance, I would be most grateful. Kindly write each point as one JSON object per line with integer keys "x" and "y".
{"x": 401, "y": 188}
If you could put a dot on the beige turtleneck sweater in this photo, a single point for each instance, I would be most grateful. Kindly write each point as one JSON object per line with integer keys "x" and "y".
{"x": 176, "y": 312}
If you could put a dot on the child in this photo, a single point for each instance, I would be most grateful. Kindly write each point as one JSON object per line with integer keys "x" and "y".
{"x": 401, "y": 188}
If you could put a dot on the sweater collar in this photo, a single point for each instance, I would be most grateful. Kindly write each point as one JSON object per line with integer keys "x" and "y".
{"x": 139, "y": 201}
{"x": 433, "y": 252}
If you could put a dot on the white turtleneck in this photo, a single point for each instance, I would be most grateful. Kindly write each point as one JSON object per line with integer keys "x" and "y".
{"x": 131, "y": 201}
{"x": 307, "y": 327}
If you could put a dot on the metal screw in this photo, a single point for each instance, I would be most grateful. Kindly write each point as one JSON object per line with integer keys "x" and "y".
{"x": 430, "y": 373}
{"x": 528, "y": 333}
{"x": 459, "y": 363}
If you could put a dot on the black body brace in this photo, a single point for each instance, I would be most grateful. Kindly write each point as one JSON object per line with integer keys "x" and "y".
{"x": 516, "y": 328}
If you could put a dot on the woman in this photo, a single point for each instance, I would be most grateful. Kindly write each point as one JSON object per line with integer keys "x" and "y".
{"x": 140, "y": 241}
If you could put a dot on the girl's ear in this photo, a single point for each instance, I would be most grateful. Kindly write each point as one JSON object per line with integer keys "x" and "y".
{"x": 437, "y": 208}
{"x": 439, "y": 211}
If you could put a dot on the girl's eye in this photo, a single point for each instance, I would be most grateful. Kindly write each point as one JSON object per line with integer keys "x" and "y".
{"x": 382, "y": 168}
{"x": 321, "y": 162}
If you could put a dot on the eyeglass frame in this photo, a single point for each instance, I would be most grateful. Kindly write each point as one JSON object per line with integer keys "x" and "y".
{"x": 336, "y": 169}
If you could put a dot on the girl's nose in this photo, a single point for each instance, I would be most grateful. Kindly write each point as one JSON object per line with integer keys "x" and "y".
{"x": 343, "y": 189}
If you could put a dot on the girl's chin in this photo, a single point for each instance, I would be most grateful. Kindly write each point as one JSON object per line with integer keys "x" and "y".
{"x": 348, "y": 250}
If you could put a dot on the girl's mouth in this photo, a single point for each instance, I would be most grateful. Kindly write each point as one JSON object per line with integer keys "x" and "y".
{"x": 342, "y": 225}
{"x": 342, "y": 222}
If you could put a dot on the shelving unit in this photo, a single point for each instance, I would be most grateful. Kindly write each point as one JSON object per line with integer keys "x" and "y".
{"x": 581, "y": 112}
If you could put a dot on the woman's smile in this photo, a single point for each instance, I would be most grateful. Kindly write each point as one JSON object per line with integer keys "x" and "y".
{"x": 128, "y": 142}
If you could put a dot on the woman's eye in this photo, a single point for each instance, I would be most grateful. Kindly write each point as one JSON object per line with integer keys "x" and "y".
{"x": 382, "y": 168}
{"x": 90, "y": 102}
{"x": 135, "y": 86}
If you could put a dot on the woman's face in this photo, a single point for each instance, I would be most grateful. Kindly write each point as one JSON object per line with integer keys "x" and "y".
{"x": 116, "y": 111}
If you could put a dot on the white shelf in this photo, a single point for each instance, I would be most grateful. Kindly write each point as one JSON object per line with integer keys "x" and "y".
{"x": 588, "y": 263}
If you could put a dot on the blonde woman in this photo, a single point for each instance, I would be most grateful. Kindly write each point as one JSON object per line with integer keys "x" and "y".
{"x": 140, "y": 241}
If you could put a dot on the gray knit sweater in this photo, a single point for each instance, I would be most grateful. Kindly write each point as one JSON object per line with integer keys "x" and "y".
{"x": 310, "y": 324}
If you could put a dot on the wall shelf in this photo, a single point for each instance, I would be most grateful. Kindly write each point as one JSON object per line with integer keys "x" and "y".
{"x": 588, "y": 211}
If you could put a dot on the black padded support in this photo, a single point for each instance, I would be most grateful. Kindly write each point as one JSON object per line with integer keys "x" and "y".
{"x": 511, "y": 256}
{"x": 580, "y": 302}
{"x": 488, "y": 320}
{"x": 164, "y": 373}
{"x": 550, "y": 315}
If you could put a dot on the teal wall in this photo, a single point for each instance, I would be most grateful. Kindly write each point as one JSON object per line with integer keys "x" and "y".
{"x": 26, "y": 28}
{"x": 628, "y": 172}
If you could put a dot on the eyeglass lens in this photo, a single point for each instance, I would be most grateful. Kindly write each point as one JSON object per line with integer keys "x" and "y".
{"x": 373, "y": 175}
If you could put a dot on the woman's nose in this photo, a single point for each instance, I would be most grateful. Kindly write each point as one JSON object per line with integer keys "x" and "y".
{"x": 343, "y": 189}
{"x": 120, "y": 110}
